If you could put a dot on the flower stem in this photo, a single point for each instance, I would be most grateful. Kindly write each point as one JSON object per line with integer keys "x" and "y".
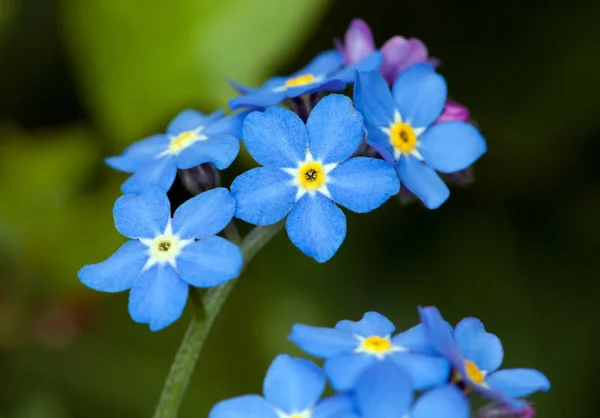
{"x": 195, "y": 336}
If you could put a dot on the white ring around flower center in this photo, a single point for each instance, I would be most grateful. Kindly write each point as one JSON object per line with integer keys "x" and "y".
{"x": 307, "y": 413}
{"x": 388, "y": 130}
{"x": 297, "y": 173}
{"x": 164, "y": 248}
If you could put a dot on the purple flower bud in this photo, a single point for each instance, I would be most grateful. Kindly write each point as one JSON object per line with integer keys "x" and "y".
{"x": 358, "y": 42}
{"x": 454, "y": 112}
{"x": 400, "y": 53}
{"x": 502, "y": 411}
{"x": 199, "y": 179}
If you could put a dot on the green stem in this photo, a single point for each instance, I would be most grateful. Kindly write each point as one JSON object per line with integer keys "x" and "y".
{"x": 195, "y": 336}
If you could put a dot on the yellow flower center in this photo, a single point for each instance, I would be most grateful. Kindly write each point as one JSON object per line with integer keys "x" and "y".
{"x": 376, "y": 344}
{"x": 301, "y": 80}
{"x": 473, "y": 372}
{"x": 183, "y": 140}
{"x": 403, "y": 137}
{"x": 311, "y": 175}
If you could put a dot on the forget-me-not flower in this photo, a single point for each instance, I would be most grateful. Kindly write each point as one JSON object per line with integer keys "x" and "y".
{"x": 192, "y": 138}
{"x": 352, "y": 347}
{"x": 165, "y": 255}
{"x": 400, "y": 125}
{"x": 306, "y": 169}
{"x": 476, "y": 356}
{"x": 326, "y": 72}
{"x": 292, "y": 389}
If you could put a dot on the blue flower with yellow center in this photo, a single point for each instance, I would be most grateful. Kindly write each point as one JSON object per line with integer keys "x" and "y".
{"x": 476, "y": 356}
{"x": 400, "y": 125}
{"x": 165, "y": 255}
{"x": 192, "y": 138}
{"x": 306, "y": 169}
{"x": 292, "y": 389}
{"x": 326, "y": 72}
{"x": 351, "y": 347}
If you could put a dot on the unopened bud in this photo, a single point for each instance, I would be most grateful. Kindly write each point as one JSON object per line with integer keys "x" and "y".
{"x": 503, "y": 411}
{"x": 199, "y": 179}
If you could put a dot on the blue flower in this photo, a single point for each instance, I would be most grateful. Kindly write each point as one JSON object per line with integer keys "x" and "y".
{"x": 476, "y": 356}
{"x": 400, "y": 125}
{"x": 385, "y": 391}
{"x": 352, "y": 347}
{"x": 292, "y": 389}
{"x": 165, "y": 255}
{"x": 306, "y": 169}
{"x": 192, "y": 138}
{"x": 324, "y": 73}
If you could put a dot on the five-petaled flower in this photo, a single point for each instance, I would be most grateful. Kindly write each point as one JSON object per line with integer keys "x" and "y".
{"x": 192, "y": 138}
{"x": 306, "y": 169}
{"x": 326, "y": 72}
{"x": 292, "y": 389}
{"x": 400, "y": 125}
{"x": 352, "y": 347}
{"x": 476, "y": 355}
{"x": 165, "y": 255}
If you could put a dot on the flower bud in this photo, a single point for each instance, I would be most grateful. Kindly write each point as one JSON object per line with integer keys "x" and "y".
{"x": 503, "y": 411}
{"x": 199, "y": 179}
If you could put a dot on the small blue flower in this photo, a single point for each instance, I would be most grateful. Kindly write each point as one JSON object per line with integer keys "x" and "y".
{"x": 292, "y": 389}
{"x": 476, "y": 356}
{"x": 400, "y": 125}
{"x": 385, "y": 391}
{"x": 165, "y": 255}
{"x": 192, "y": 138}
{"x": 324, "y": 73}
{"x": 306, "y": 169}
{"x": 352, "y": 347}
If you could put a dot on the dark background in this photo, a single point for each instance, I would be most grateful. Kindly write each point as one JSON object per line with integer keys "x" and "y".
{"x": 518, "y": 248}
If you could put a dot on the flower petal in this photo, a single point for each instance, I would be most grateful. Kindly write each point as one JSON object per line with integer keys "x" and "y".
{"x": 322, "y": 342}
{"x": 139, "y": 154}
{"x": 518, "y": 383}
{"x": 159, "y": 173}
{"x": 293, "y": 384}
{"x": 380, "y": 141}
{"x": 119, "y": 271}
{"x": 324, "y": 63}
{"x": 414, "y": 339}
{"x": 370, "y": 63}
{"x": 158, "y": 297}
{"x": 399, "y": 54}
{"x": 443, "y": 402}
{"x": 451, "y": 146}
{"x": 316, "y": 226}
{"x": 344, "y": 370}
{"x": 260, "y": 98}
{"x": 373, "y": 99}
{"x": 204, "y": 215}
{"x": 422, "y": 181}
{"x": 475, "y": 344}
{"x": 209, "y": 262}
{"x": 440, "y": 336}
{"x": 230, "y": 125}
{"x": 142, "y": 216}
{"x": 190, "y": 120}
{"x": 329, "y": 84}
{"x": 248, "y": 406}
{"x": 337, "y": 406}
{"x": 420, "y": 94}
{"x": 220, "y": 150}
{"x": 384, "y": 391}
{"x": 454, "y": 112}
{"x": 276, "y": 138}
{"x": 363, "y": 184}
{"x": 372, "y": 323}
{"x": 264, "y": 195}
{"x": 425, "y": 371}
{"x": 358, "y": 41}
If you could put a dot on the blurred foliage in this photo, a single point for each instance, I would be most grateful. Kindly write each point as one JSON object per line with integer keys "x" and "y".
{"x": 81, "y": 80}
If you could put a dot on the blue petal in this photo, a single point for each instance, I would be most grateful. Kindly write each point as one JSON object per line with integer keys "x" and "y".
{"x": 451, "y": 146}
{"x": 264, "y": 195}
{"x": 276, "y": 138}
{"x": 414, "y": 339}
{"x": 209, "y": 262}
{"x": 420, "y": 94}
{"x": 335, "y": 129}
{"x": 344, "y": 370}
{"x": 475, "y": 344}
{"x": 248, "y": 406}
{"x": 229, "y": 125}
{"x": 322, "y": 342}
{"x": 316, "y": 226}
{"x": 261, "y": 98}
{"x": 425, "y": 371}
{"x": 518, "y": 383}
{"x": 381, "y": 142}
{"x": 119, "y": 271}
{"x": 363, "y": 184}
{"x": 326, "y": 85}
{"x": 204, "y": 215}
{"x": 370, "y": 63}
{"x": 158, "y": 297}
{"x": 373, "y": 99}
{"x": 440, "y": 337}
{"x": 190, "y": 120}
{"x": 324, "y": 63}
{"x": 241, "y": 88}
{"x": 372, "y": 323}
{"x": 337, "y": 406}
{"x": 422, "y": 181}
{"x": 220, "y": 150}
{"x": 444, "y": 402}
{"x": 142, "y": 216}
{"x": 384, "y": 391}
{"x": 139, "y": 154}
{"x": 293, "y": 384}
{"x": 159, "y": 173}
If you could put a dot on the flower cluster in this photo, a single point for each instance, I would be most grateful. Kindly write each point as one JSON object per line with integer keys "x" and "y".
{"x": 376, "y": 374}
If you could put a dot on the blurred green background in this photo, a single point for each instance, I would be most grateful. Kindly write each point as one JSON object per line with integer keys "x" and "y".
{"x": 80, "y": 80}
